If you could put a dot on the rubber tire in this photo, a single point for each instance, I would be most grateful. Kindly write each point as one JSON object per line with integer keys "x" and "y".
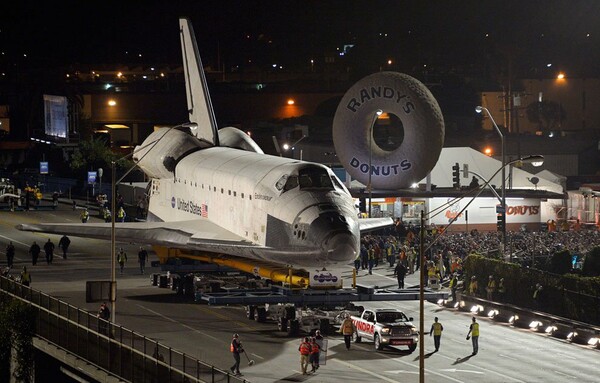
{"x": 422, "y": 121}
{"x": 282, "y": 324}
{"x": 293, "y": 327}
{"x": 324, "y": 326}
{"x": 412, "y": 348}
{"x": 377, "y": 343}
{"x": 356, "y": 338}
{"x": 261, "y": 315}
{"x": 250, "y": 312}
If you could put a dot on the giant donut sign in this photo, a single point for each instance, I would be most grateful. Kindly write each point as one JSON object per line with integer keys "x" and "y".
{"x": 408, "y": 99}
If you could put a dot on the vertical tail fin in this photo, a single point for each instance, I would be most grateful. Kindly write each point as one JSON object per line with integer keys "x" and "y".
{"x": 200, "y": 107}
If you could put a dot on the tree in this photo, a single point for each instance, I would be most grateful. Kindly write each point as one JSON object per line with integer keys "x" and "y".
{"x": 547, "y": 114}
{"x": 560, "y": 263}
{"x": 591, "y": 264}
{"x": 94, "y": 154}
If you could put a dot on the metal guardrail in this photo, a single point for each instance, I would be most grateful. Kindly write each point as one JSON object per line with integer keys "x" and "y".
{"x": 116, "y": 350}
{"x": 539, "y": 321}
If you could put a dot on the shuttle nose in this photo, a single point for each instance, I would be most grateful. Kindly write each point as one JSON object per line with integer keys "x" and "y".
{"x": 341, "y": 247}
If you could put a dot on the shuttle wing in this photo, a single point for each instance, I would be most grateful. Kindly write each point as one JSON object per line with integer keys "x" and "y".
{"x": 200, "y": 235}
{"x": 195, "y": 234}
{"x": 370, "y": 224}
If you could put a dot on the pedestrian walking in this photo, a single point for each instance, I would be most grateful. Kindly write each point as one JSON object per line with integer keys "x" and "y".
{"x": 347, "y": 329}
{"x": 304, "y": 349}
{"x": 121, "y": 259}
{"x": 322, "y": 344}
{"x": 64, "y": 245}
{"x": 142, "y": 256}
{"x": 436, "y": 331}
{"x": 34, "y": 251}
{"x": 49, "y": 250}
{"x": 400, "y": 273}
{"x": 314, "y": 354}
{"x": 121, "y": 214}
{"x": 25, "y": 277}
{"x": 474, "y": 335}
{"x": 236, "y": 349}
{"x": 10, "y": 254}
{"x": 371, "y": 258}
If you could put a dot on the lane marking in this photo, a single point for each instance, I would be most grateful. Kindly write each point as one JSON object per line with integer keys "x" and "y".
{"x": 567, "y": 375}
{"x": 508, "y": 357}
{"x": 457, "y": 370}
{"x": 485, "y": 369}
{"x": 227, "y": 318}
{"x": 256, "y": 355}
{"x": 365, "y": 371}
{"x": 15, "y": 241}
{"x": 414, "y": 366}
{"x": 182, "y": 324}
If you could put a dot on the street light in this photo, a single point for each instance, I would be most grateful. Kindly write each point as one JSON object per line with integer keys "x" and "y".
{"x": 378, "y": 113}
{"x": 479, "y": 109}
{"x": 113, "y": 263}
{"x": 287, "y": 146}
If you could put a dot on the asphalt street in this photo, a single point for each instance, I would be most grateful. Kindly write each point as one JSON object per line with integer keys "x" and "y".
{"x": 506, "y": 354}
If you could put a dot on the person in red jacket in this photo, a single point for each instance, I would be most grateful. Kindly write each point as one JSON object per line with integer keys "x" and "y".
{"x": 304, "y": 349}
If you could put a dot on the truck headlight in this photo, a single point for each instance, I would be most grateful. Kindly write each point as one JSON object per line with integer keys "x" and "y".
{"x": 413, "y": 330}
{"x": 385, "y": 330}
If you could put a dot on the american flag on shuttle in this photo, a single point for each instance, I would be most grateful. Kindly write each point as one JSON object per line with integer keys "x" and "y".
{"x": 204, "y": 210}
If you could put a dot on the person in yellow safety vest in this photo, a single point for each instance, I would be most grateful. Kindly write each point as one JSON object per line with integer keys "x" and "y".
{"x": 453, "y": 286}
{"x": 121, "y": 214}
{"x": 236, "y": 348}
{"x": 371, "y": 258}
{"x": 474, "y": 333}
{"x": 473, "y": 287}
{"x": 25, "y": 277}
{"x": 491, "y": 288}
{"x": 107, "y": 215}
{"x": 501, "y": 290}
{"x": 85, "y": 216}
{"x": 347, "y": 329}
{"x": 122, "y": 258}
{"x": 305, "y": 349}
{"x": 436, "y": 331}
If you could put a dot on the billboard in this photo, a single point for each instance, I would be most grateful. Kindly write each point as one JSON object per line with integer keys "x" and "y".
{"x": 56, "y": 122}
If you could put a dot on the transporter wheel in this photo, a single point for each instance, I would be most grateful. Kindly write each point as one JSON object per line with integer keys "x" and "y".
{"x": 261, "y": 314}
{"x": 356, "y": 338}
{"x": 293, "y": 327}
{"x": 282, "y": 324}
{"x": 412, "y": 347}
{"x": 250, "y": 312}
{"x": 324, "y": 326}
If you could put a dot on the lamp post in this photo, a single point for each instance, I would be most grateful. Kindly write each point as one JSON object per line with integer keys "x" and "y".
{"x": 378, "y": 113}
{"x": 113, "y": 255}
{"x": 479, "y": 109}
{"x": 287, "y": 146}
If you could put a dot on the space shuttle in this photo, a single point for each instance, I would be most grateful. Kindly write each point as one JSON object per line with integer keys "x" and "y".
{"x": 214, "y": 191}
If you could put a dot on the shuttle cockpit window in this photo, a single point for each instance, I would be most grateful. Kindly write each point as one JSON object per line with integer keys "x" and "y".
{"x": 337, "y": 182}
{"x": 312, "y": 177}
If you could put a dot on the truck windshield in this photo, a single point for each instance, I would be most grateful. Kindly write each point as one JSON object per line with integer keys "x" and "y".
{"x": 391, "y": 317}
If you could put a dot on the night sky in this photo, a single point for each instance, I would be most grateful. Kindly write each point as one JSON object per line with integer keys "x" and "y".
{"x": 463, "y": 36}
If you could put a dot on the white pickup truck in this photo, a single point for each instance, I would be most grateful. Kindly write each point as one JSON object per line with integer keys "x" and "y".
{"x": 385, "y": 327}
